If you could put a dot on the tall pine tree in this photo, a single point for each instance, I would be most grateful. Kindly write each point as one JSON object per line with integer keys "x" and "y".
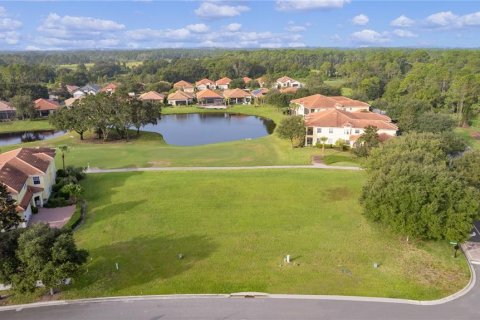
{"x": 9, "y": 218}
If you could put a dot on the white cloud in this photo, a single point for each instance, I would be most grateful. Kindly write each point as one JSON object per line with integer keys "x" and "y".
{"x": 472, "y": 19}
{"x": 404, "y": 33}
{"x": 198, "y": 28}
{"x": 233, "y": 27}
{"x": 443, "y": 19}
{"x": 271, "y": 45}
{"x": 288, "y": 5}
{"x": 297, "y": 45}
{"x": 148, "y": 34}
{"x": 77, "y": 32}
{"x": 9, "y": 28}
{"x": 215, "y": 10}
{"x": 450, "y": 20}
{"x": 360, "y": 20}
{"x": 57, "y": 25}
{"x": 369, "y": 36}
{"x": 402, "y": 21}
{"x": 293, "y": 28}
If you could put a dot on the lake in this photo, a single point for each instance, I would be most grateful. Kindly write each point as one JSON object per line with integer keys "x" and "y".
{"x": 205, "y": 128}
{"x": 9, "y": 138}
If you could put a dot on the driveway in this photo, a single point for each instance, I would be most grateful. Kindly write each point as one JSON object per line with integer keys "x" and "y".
{"x": 55, "y": 217}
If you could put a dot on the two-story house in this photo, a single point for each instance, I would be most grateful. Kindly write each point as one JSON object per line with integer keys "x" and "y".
{"x": 205, "y": 84}
{"x": 319, "y": 102}
{"x": 184, "y": 86}
{"x": 336, "y": 124}
{"x": 29, "y": 174}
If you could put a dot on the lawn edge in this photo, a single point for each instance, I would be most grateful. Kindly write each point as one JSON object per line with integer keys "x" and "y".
{"x": 261, "y": 295}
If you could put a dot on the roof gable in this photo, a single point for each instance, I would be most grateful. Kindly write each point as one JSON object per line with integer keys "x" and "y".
{"x": 208, "y": 93}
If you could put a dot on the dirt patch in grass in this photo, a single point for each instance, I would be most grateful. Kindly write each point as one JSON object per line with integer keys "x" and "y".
{"x": 423, "y": 268}
{"x": 475, "y": 135}
{"x": 160, "y": 163}
{"x": 337, "y": 194}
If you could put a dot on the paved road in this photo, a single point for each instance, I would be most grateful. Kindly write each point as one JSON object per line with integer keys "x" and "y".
{"x": 463, "y": 308}
{"x": 315, "y": 166}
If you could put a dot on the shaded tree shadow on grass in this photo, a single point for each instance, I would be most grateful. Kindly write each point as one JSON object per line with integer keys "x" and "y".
{"x": 141, "y": 260}
{"x": 112, "y": 210}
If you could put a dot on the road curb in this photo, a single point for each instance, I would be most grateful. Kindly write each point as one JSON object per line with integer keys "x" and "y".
{"x": 260, "y": 295}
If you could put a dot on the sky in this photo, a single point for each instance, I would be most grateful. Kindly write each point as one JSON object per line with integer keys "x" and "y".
{"x": 70, "y": 25}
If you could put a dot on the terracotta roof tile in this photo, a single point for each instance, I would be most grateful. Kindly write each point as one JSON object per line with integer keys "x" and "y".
{"x": 180, "y": 96}
{"x": 338, "y": 119}
{"x": 236, "y": 93}
{"x": 247, "y": 79}
{"x": 285, "y": 79}
{"x": 204, "y": 81}
{"x": 5, "y": 106}
{"x": 182, "y": 84}
{"x": 152, "y": 95}
{"x": 223, "y": 81}
{"x": 44, "y": 104}
{"x": 208, "y": 94}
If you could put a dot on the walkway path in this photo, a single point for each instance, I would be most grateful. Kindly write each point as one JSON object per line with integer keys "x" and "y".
{"x": 315, "y": 166}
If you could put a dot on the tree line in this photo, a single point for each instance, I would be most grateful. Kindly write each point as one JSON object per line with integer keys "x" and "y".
{"x": 104, "y": 113}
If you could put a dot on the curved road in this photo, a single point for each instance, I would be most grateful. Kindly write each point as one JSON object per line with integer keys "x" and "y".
{"x": 222, "y": 307}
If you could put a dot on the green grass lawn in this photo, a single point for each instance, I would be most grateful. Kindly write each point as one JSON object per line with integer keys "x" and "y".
{"x": 24, "y": 125}
{"x": 150, "y": 150}
{"x": 471, "y": 134}
{"x": 235, "y": 227}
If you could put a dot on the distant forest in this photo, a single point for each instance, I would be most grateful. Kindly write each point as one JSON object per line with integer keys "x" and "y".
{"x": 400, "y": 81}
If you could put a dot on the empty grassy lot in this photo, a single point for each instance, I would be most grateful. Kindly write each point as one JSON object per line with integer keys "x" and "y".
{"x": 233, "y": 230}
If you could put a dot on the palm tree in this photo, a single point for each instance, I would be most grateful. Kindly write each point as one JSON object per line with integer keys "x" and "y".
{"x": 63, "y": 148}
{"x": 323, "y": 140}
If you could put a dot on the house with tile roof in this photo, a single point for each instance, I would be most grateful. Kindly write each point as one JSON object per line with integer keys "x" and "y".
{"x": 29, "y": 174}
{"x": 152, "y": 96}
{"x": 223, "y": 83}
{"x": 286, "y": 82}
{"x": 180, "y": 98}
{"x": 336, "y": 124}
{"x": 71, "y": 88}
{"x": 237, "y": 96}
{"x": 205, "y": 84}
{"x": 319, "y": 102}
{"x": 109, "y": 88}
{"x": 7, "y": 111}
{"x": 184, "y": 86}
{"x": 45, "y": 107}
{"x": 247, "y": 80}
{"x": 209, "y": 98}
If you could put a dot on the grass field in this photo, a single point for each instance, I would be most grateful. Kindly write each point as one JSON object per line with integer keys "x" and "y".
{"x": 150, "y": 150}
{"x": 24, "y": 125}
{"x": 234, "y": 228}
{"x": 471, "y": 134}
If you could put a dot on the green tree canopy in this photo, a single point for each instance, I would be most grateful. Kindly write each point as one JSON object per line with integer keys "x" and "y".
{"x": 293, "y": 129}
{"x": 9, "y": 217}
{"x": 411, "y": 190}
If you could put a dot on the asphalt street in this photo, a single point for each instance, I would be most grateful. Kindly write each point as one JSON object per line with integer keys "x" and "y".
{"x": 465, "y": 307}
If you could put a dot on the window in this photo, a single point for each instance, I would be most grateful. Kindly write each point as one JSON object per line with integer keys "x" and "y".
{"x": 36, "y": 180}
{"x": 357, "y": 131}
{"x": 319, "y": 130}
{"x": 330, "y": 130}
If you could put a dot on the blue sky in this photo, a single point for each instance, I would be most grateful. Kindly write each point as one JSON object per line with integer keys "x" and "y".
{"x": 63, "y": 25}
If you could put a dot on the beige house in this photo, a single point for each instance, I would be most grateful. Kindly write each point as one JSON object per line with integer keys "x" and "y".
{"x": 180, "y": 98}
{"x": 223, "y": 83}
{"x": 237, "y": 96}
{"x": 336, "y": 124}
{"x": 184, "y": 86}
{"x": 209, "y": 97}
{"x": 45, "y": 107}
{"x": 152, "y": 96}
{"x": 7, "y": 111}
{"x": 287, "y": 82}
{"x": 29, "y": 174}
{"x": 318, "y": 102}
{"x": 205, "y": 84}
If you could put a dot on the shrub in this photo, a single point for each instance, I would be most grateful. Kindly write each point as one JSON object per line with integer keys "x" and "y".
{"x": 75, "y": 219}
{"x": 55, "y": 202}
{"x": 34, "y": 210}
